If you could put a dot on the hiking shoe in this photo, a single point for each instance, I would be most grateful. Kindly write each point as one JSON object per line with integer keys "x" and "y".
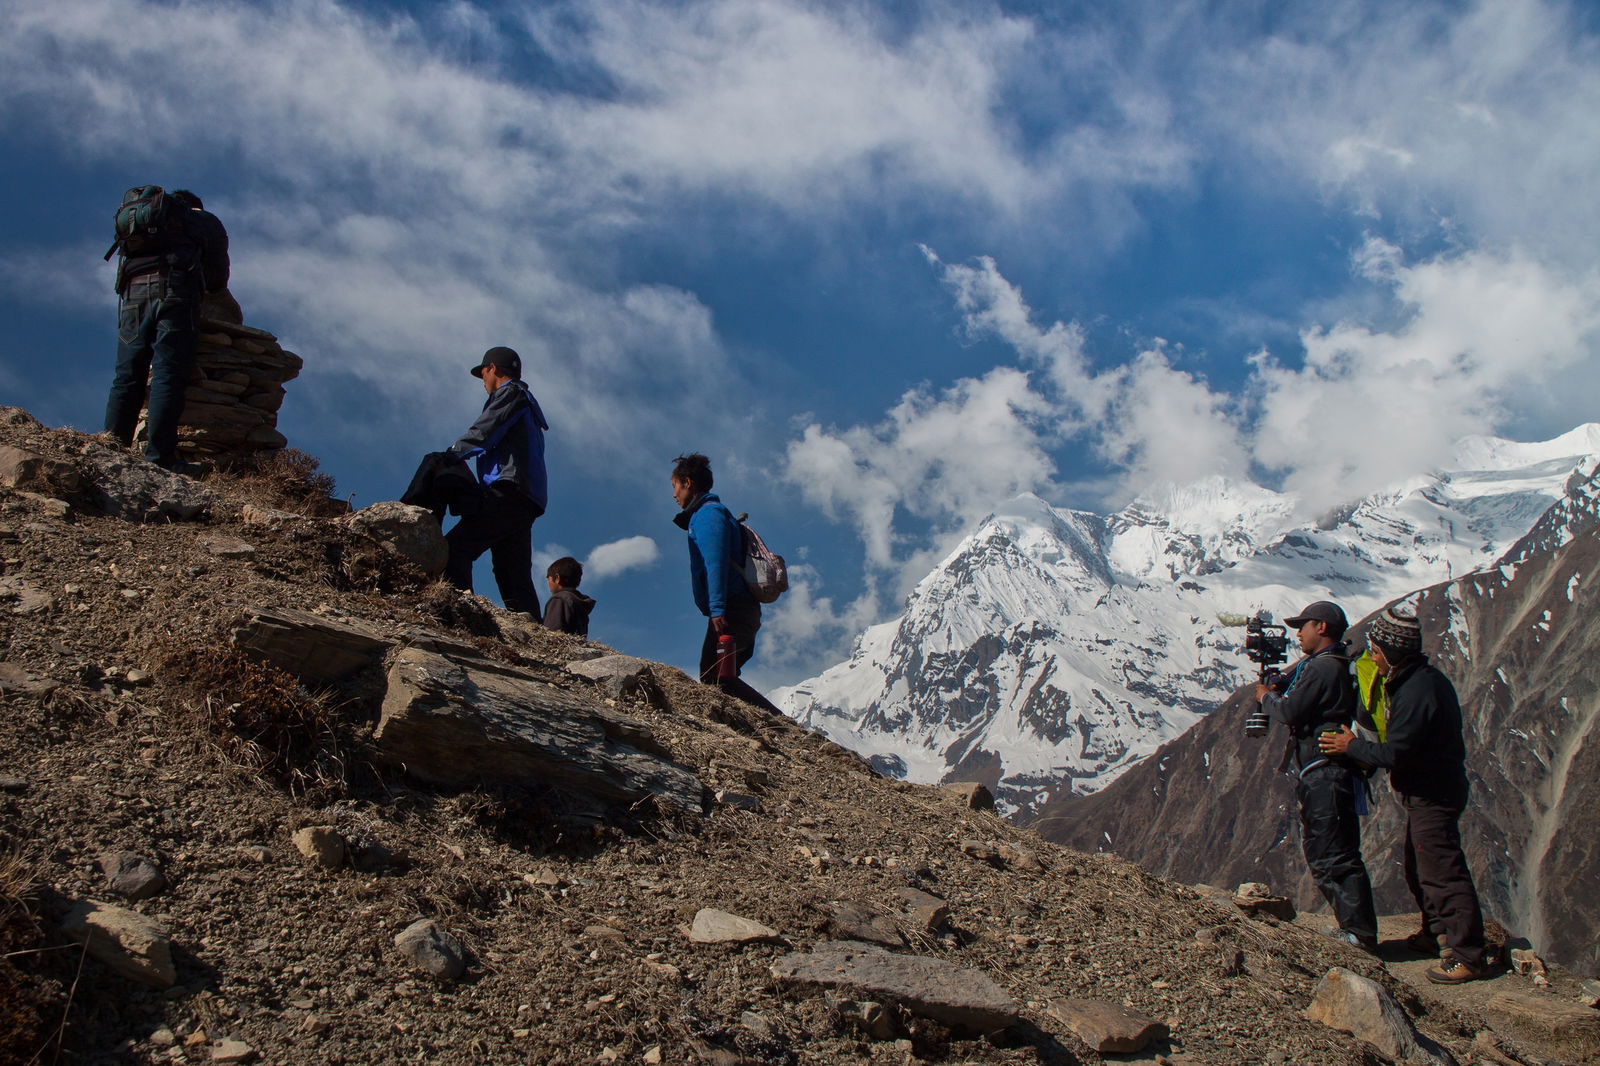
{"x": 1369, "y": 944}
{"x": 1454, "y": 972}
{"x": 1423, "y": 943}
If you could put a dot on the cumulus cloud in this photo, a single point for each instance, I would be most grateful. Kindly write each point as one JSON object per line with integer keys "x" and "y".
{"x": 620, "y": 556}
{"x": 1478, "y": 336}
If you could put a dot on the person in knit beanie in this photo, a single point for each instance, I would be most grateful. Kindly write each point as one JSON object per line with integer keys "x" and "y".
{"x": 1426, "y": 757}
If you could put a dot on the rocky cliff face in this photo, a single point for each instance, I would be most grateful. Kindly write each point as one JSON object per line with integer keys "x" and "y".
{"x": 1053, "y": 649}
{"x": 1520, "y": 642}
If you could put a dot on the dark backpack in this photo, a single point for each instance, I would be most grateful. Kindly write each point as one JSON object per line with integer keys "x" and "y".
{"x": 765, "y": 572}
{"x": 149, "y": 222}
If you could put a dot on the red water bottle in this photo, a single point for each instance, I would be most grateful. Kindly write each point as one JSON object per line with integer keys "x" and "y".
{"x": 727, "y": 660}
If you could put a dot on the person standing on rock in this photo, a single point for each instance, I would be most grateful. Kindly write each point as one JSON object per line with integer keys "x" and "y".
{"x": 1319, "y": 696}
{"x": 1426, "y": 757}
{"x": 507, "y": 443}
{"x": 716, "y": 572}
{"x": 176, "y": 254}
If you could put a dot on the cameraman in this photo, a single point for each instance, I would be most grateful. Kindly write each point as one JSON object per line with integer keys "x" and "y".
{"x": 1318, "y": 696}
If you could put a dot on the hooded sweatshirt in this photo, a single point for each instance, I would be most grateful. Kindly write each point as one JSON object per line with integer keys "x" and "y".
{"x": 567, "y": 611}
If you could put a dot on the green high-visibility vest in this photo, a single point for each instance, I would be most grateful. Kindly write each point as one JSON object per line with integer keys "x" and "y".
{"x": 1369, "y": 686}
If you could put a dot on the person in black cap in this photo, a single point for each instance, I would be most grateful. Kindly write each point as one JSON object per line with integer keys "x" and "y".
{"x": 507, "y": 443}
{"x": 1318, "y": 695}
{"x": 1427, "y": 761}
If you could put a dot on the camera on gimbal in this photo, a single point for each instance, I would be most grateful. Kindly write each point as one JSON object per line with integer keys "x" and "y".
{"x": 1266, "y": 643}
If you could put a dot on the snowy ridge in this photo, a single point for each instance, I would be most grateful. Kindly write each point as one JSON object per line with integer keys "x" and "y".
{"x": 1054, "y": 648}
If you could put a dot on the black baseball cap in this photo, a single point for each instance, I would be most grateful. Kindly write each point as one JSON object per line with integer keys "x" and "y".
{"x": 1321, "y": 611}
{"x": 503, "y": 359}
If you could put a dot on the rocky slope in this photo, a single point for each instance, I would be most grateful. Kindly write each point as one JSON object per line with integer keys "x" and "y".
{"x": 1053, "y": 649}
{"x": 1520, "y": 642}
{"x": 225, "y": 836}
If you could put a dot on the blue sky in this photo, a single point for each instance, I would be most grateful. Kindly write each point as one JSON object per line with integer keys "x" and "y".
{"x": 887, "y": 265}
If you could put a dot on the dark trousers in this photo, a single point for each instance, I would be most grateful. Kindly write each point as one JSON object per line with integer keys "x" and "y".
{"x": 504, "y": 529}
{"x": 1330, "y": 834}
{"x": 742, "y": 626}
{"x": 1437, "y": 874}
{"x": 158, "y": 329}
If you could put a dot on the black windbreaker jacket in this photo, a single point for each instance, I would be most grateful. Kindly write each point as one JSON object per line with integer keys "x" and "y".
{"x": 1321, "y": 697}
{"x": 1422, "y": 746}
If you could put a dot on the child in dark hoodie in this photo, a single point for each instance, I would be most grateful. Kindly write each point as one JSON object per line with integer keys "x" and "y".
{"x": 567, "y": 609}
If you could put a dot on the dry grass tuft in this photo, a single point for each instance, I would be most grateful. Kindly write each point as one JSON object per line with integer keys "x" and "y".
{"x": 289, "y": 480}
{"x": 258, "y": 716}
{"x": 29, "y": 1000}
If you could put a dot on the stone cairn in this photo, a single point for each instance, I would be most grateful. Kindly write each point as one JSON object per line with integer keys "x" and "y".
{"x": 231, "y": 406}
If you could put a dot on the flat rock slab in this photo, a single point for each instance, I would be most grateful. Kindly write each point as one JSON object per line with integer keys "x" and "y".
{"x": 133, "y": 945}
{"x": 712, "y": 926}
{"x": 932, "y": 988}
{"x": 856, "y": 921}
{"x": 463, "y": 725}
{"x": 1363, "y": 1008}
{"x": 16, "y": 681}
{"x": 1107, "y": 1027}
{"x": 1542, "y": 1020}
{"x": 316, "y": 650}
{"x": 619, "y": 675}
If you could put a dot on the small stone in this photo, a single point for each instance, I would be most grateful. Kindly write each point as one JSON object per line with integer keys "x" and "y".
{"x": 604, "y": 932}
{"x": 137, "y": 677}
{"x": 233, "y": 1051}
{"x": 1255, "y": 898}
{"x": 133, "y": 876}
{"x": 1590, "y": 992}
{"x": 652, "y": 1055}
{"x": 712, "y": 926}
{"x": 163, "y": 1038}
{"x": 739, "y": 800}
{"x": 981, "y": 851}
{"x": 854, "y": 921}
{"x": 12, "y": 783}
{"x": 1526, "y": 962}
{"x": 928, "y": 912}
{"x": 322, "y": 844}
{"x": 431, "y": 949}
{"x": 544, "y": 877}
{"x": 870, "y": 1019}
{"x": 258, "y": 853}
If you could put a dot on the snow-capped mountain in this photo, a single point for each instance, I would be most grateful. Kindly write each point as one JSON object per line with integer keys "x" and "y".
{"x": 1054, "y": 648}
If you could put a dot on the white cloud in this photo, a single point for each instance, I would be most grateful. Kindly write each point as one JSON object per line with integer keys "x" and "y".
{"x": 805, "y": 627}
{"x": 620, "y": 556}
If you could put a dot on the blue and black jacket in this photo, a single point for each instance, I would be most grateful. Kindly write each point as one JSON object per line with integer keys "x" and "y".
{"x": 507, "y": 442}
{"x": 716, "y": 558}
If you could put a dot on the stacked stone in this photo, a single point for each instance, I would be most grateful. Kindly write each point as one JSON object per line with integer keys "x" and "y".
{"x": 231, "y": 407}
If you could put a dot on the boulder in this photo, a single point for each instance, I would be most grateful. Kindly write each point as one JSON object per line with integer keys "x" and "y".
{"x": 129, "y": 487}
{"x": 712, "y": 926}
{"x": 322, "y": 844}
{"x": 619, "y": 675}
{"x": 316, "y": 650}
{"x": 1363, "y": 1008}
{"x": 467, "y": 723}
{"x": 432, "y": 950}
{"x": 410, "y": 532}
{"x": 932, "y": 988}
{"x": 1542, "y": 1020}
{"x": 972, "y": 794}
{"x": 1109, "y": 1028}
{"x": 26, "y": 471}
{"x": 133, "y": 876}
{"x": 133, "y": 945}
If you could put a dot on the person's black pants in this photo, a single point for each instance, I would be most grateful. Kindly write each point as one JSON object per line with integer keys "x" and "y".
{"x": 503, "y": 528}
{"x": 1437, "y": 874}
{"x": 158, "y": 331}
{"x": 742, "y": 626}
{"x": 1330, "y": 834}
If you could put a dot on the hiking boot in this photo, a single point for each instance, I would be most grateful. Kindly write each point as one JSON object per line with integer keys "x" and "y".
{"x": 1423, "y": 943}
{"x": 1369, "y": 944}
{"x": 1455, "y": 972}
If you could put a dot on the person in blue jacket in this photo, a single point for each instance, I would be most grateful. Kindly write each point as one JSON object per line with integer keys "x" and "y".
{"x": 507, "y": 445}
{"x": 716, "y": 572}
